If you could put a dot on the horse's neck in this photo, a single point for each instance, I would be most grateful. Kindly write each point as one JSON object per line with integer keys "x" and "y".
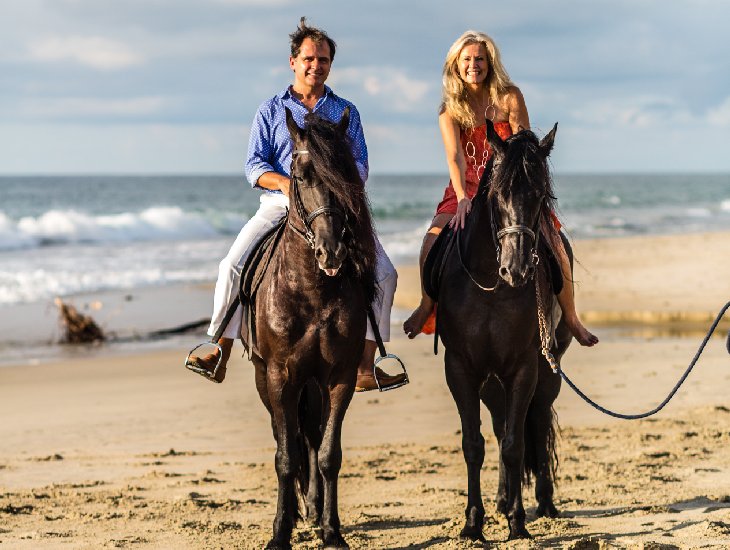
{"x": 480, "y": 252}
{"x": 295, "y": 264}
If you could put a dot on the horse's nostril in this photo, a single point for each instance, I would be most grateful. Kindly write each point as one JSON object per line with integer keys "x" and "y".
{"x": 503, "y": 271}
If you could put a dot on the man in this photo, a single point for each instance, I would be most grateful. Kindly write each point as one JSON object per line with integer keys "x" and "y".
{"x": 267, "y": 168}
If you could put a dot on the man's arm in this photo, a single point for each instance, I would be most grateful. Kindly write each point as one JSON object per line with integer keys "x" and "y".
{"x": 359, "y": 148}
{"x": 259, "y": 171}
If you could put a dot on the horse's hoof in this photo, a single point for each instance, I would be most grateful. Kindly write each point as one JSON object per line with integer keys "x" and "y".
{"x": 334, "y": 541}
{"x": 519, "y": 533}
{"x": 472, "y": 533}
{"x": 278, "y": 545}
{"x": 547, "y": 511}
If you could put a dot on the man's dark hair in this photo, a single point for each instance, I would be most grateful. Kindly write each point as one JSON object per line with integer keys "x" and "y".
{"x": 316, "y": 35}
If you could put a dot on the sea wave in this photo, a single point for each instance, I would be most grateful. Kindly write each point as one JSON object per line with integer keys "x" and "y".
{"x": 163, "y": 223}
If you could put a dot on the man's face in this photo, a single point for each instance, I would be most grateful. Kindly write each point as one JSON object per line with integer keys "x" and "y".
{"x": 312, "y": 66}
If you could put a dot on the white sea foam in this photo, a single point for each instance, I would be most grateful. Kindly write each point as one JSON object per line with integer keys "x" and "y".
{"x": 725, "y": 205}
{"x": 151, "y": 224}
{"x": 699, "y": 213}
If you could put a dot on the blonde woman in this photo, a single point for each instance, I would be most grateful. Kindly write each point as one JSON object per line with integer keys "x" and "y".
{"x": 476, "y": 86}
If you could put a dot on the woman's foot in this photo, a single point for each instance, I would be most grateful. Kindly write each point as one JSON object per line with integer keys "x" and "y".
{"x": 414, "y": 324}
{"x": 581, "y": 333}
{"x": 209, "y": 362}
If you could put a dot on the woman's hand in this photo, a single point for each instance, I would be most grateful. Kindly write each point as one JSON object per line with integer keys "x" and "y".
{"x": 462, "y": 211}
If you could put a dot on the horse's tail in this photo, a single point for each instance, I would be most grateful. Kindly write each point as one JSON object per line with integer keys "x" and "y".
{"x": 541, "y": 434}
{"x": 309, "y": 437}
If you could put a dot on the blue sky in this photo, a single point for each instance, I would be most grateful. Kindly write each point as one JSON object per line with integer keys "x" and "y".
{"x": 149, "y": 86}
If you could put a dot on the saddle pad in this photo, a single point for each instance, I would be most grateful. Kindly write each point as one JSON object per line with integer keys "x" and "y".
{"x": 433, "y": 267}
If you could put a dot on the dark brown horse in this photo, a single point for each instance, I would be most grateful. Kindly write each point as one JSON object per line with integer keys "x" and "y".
{"x": 311, "y": 311}
{"x": 488, "y": 321}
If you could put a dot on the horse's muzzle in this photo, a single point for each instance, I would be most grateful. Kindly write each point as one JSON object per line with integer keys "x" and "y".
{"x": 516, "y": 277}
{"x": 330, "y": 258}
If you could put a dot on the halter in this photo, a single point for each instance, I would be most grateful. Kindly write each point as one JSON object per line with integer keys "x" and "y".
{"x": 308, "y": 218}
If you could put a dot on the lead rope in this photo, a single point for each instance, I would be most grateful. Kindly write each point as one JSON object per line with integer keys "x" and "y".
{"x": 545, "y": 343}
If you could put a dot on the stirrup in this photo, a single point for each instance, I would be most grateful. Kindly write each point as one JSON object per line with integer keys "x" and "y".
{"x": 209, "y": 374}
{"x": 394, "y": 385}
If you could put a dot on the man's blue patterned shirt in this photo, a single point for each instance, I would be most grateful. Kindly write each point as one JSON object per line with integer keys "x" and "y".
{"x": 270, "y": 145}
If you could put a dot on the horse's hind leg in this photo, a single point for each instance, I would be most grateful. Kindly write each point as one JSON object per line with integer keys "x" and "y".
{"x": 284, "y": 401}
{"x": 540, "y": 435}
{"x": 464, "y": 390}
{"x": 330, "y": 459}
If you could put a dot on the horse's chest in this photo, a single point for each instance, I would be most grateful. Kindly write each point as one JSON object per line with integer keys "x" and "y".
{"x": 299, "y": 312}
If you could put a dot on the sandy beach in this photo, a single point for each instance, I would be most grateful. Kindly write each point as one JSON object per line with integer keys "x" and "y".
{"x": 128, "y": 449}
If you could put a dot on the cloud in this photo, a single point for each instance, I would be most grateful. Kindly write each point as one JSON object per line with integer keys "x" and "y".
{"x": 397, "y": 91}
{"x": 84, "y": 107}
{"x": 96, "y": 52}
{"x": 720, "y": 115}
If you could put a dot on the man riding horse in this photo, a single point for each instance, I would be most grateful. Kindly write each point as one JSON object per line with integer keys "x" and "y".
{"x": 268, "y": 167}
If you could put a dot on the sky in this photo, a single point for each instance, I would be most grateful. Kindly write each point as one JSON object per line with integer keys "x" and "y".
{"x": 171, "y": 86}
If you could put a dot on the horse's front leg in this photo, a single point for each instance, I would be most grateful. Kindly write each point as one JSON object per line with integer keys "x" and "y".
{"x": 492, "y": 395}
{"x": 465, "y": 391}
{"x": 283, "y": 398}
{"x": 518, "y": 393}
{"x": 330, "y": 456}
{"x": 311, "y": 426}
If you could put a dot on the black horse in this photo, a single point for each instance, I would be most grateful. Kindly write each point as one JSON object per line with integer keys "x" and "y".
{"x": 311, "y": 314}
{"x": 488, "y": 320}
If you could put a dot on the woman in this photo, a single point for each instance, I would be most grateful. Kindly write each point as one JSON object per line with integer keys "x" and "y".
{"x": 476, "y": 87}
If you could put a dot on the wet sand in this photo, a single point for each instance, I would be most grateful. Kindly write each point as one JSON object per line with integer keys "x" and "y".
{"x": 131, "y": 450}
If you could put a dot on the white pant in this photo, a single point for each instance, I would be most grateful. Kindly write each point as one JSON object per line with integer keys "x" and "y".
{"x": 272, "y": 209}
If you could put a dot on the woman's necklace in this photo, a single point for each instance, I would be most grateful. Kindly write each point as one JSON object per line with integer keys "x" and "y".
{"x": 471, "y": 149}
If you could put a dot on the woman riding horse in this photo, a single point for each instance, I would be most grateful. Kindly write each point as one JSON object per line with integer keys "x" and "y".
{"x": 477, "y": 87}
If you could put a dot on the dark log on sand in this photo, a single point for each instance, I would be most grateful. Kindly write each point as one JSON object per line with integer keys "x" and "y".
{"x": 77, "y": 327}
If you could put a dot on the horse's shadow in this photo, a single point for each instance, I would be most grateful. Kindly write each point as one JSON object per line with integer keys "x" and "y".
{"x": 677, "y": 508}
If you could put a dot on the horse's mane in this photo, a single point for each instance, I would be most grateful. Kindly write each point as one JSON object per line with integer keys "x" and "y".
{"x": 331, "y": 156}
{"x": 522, "y": 165}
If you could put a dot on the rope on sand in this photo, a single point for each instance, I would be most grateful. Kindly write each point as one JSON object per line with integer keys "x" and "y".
{"x": 671, "y": 393}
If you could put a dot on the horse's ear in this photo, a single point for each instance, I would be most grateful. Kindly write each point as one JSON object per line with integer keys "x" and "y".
{"x": 546, "y": 143}
{"x": 294, "y": 128}
{"x": 494, "y": 140}
{"x": 344, "y": 121}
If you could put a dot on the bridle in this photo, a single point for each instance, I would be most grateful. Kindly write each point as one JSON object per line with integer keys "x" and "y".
{"x": 308, "y": 218}
{"x": 498, "y": 234}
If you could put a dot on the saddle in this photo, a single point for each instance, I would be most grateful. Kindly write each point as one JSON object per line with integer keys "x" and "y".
{"x": 252, "y": 273}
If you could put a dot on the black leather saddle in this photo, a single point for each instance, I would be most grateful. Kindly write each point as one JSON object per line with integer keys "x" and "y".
{"x": 252, "y": 273}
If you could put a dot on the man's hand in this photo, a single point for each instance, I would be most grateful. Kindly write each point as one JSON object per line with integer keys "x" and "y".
{"x": 274, "y": 182}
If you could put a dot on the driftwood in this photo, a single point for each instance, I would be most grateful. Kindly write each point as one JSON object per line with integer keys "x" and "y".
{"x": 77, "y": 327}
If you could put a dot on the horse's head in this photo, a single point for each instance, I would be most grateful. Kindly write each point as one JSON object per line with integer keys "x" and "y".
{"x": 313, "y": 190}
{"x": 520, "y": 188}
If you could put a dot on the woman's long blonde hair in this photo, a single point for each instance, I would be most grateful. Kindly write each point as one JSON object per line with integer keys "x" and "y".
{"x": 454, "y": 99}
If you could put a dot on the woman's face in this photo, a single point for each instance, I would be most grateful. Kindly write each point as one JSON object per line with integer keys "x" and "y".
{"x": 473, "y": 64}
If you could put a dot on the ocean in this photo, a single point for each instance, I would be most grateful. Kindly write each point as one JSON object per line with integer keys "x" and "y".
{"x": 61, "y": 236}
